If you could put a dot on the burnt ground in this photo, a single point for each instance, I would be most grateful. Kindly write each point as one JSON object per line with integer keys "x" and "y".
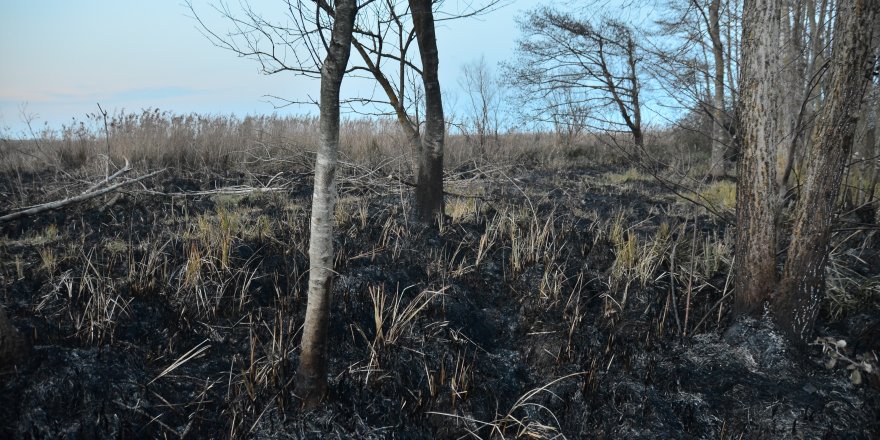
{"x": 556, "y": 304}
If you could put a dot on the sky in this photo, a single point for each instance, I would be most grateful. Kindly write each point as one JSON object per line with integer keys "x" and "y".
{"x": 60, "y": 58}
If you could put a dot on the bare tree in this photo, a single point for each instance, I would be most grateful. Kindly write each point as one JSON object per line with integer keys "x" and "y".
{"x": 762, "y": 88}
{"x": 294, "y": 43}
{"x": 385, "y": 47}
{"x": 718, "y": 166}
{"x": 384, "y": 37}
{"x": 311, "y": 376}
{"x": 484, "y": 102}
{"x": 599, "y": 62}
{"x": 296, "y": 46}
{"x": 384, "y": 42}
{"x": 795, "y": 300}
{"x": 695, "y": 48}
{"x": 853, "y": 62}
{"x": 568, "y": 113}
{"x": 429, "y": 184}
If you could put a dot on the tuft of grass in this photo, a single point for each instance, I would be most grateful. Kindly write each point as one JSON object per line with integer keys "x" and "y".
{"x": 262, "y": 228}
{"x": 626, "y": 257}
{"x": 344, "y": 211}
{"x": 630, "y": 175}
{"x": 45, "y": 237}
{"x": 228, "y": 230}
{"x": 150, "y": 271}
{"x": 552, "y": 283}
{"x": 48, "y": 260}
{"x": 487, "y": 240}
{"x": 714, "y": 255}
{"x": 531, "y": 239}
{"x": 526, "y": 418}
{"x": 461, "y": 209}
{"x": 720, "y": 195}
{"x": 90, "y": 302}
{"x": 193, "y": 268}
{"x": 116, "y": 246}
{"x": 393, "y": 321}
{"x": 217, "y": 232}
{"x": 103, "y": 305}
{"x": 653, "y": 254}
{"x": 350, "y": 209}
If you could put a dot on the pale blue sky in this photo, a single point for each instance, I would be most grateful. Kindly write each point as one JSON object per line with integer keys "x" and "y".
{"x": 61, "y": 57}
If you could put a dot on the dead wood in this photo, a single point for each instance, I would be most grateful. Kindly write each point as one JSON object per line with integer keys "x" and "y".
{"x": 36, "y": 209}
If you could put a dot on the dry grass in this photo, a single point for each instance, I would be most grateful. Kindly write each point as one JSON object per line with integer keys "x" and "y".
{"x": 630, "y": 175}
{"x": 156, "y": 139}
{"x": 719, "y": 195}
{"x": 393, "y": 320}
{"x": 526, "y": 418}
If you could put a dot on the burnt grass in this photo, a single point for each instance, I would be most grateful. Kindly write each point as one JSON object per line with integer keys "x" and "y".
{"x": 156, "y": 314}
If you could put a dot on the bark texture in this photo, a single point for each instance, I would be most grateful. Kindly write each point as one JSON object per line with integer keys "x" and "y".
{"x": 311, "y": 376}
{"x": 429, "y": 183}
{"x": 803, "y": 281}
{"x": 756, "y": 196}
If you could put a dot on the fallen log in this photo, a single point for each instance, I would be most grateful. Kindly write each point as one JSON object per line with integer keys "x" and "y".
{"x": 36, "y": 209}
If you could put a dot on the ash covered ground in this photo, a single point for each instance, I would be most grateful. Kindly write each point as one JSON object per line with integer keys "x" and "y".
{"x": 582, "y": 302}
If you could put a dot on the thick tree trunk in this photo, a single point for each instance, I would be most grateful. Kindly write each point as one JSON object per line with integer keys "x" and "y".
{"x": 756, "y": 200}
{"x": 311, "y": 376}
{"x": 429, "y": 183}
{"x": 719, "y": 133}
{"x": 803, "y": 283}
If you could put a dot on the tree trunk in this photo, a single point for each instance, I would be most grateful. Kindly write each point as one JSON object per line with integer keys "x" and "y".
{"x": 719, "y": 133}
{"x": 796, "y": 86}
{"x": 756, "y": 200}
{"x": 803, "y": 282}
{"x": 635, "y": 88}
{"x": 429, "y": 183}
{"x": 311, "y": 376}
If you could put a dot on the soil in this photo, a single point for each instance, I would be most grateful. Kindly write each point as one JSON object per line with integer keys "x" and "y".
{"x": 140, "y": 327}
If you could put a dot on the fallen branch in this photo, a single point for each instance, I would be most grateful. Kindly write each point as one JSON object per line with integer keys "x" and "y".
{"x": 121, "y": 171}
{"x": 229, "y": 190}
{"x": 76, "y": 199}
